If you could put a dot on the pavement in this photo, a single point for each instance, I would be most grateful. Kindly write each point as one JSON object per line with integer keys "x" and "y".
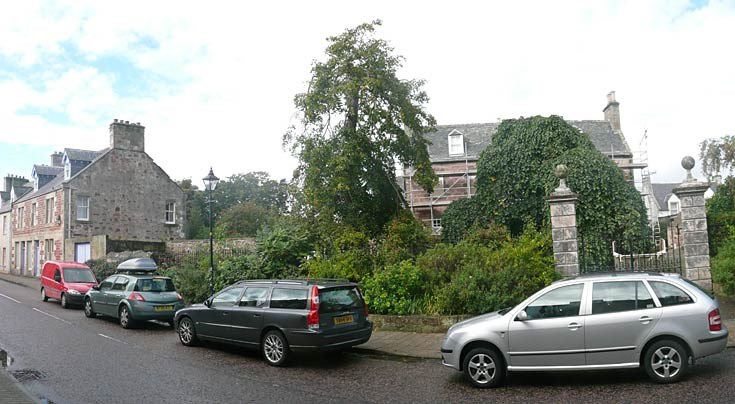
{"x": 393, "y": 343}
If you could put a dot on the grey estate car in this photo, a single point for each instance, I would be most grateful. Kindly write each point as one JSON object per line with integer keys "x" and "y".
{"x": 592, "y": 322}
{"x": 280, "y": 316}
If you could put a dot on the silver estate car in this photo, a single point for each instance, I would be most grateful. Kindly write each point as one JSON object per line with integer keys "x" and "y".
{"x": 660, "y": 322}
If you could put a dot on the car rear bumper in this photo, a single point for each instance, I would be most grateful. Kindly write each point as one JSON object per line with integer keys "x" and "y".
{"x": 319, "y": 341}
{"x": 711, "y": 344}
{"x": 146, "y": 312}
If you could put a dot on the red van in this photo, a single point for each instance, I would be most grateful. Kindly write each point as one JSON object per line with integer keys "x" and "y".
{"x": 66, "y": 282}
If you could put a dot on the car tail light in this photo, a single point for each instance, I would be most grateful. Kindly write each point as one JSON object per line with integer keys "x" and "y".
{"x": 312, "y": 319}
{"x": 179, "y": 297}
{"x": 136, "y": 296}
{"x": 715, "y": 321}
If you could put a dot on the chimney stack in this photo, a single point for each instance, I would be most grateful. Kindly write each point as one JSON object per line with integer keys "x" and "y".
{"x": 612, "y": 112}
{"x": 56, "y": 159}
{"x": 127, "y": 136}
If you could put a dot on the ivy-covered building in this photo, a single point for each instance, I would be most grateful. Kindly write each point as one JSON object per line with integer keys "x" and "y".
{"x": 455, "y": 150}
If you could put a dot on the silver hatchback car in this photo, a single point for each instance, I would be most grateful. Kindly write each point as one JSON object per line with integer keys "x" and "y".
{"x": 660, "y": 322}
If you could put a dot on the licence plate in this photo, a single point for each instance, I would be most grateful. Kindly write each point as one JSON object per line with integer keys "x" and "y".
{"x": 163, "y": 308}
{"x": 343, "y": 319}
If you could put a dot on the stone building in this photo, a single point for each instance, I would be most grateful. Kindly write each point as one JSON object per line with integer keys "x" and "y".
{"x": 455, "y": 150}
{"x": 88, "y": 203}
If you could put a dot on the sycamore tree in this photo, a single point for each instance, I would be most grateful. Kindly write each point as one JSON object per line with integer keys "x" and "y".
{"x": 357, "y": 120}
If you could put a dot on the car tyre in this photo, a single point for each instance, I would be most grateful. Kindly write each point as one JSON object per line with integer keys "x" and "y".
{"x": 187, "y": 332}
{"x": 666, "y": 361}
{"x": 64, "y": 302}
{"x": 125, "y": 318}
{"x": 275, "y": 348}
{"x": 484, "y": 368}
{"x": 43, "y": 295}
{"x": 88, "y": 311}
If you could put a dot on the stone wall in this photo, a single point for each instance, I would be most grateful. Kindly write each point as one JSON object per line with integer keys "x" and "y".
{"x": 187, "y": 246}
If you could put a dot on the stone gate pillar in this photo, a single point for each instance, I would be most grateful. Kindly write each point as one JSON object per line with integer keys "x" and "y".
{"x": 694, "y": 223}
{"x": 562, "y": 203}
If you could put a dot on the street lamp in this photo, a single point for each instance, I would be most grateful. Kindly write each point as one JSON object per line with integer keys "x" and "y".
{"x": 210, "y": 182}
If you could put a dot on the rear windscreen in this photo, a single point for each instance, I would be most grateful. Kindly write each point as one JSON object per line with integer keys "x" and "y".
{"x": 339, "y": 299}
{"x": 155, "y": 285}
{"x": 78, "y": 275}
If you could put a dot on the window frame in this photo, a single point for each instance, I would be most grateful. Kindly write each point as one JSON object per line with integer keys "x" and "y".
{"x": 87, "y": 206}
{"x": 639, "y": 285}
{"x": 456, "y": 148}
{"x": 580, "y": 309}
{"x": 50, "y": 215}
{"x": 171, "y": 211}
{"x": 34, "y": 213}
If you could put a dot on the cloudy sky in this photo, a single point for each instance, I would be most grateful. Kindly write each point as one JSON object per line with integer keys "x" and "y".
{"x": 213, "y": 82}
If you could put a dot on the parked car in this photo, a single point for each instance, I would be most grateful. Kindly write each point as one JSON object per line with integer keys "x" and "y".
{"x": 66, "y": 282}
{"x": 280, "y": 316}
{"x": 592, "y": 322}
{"x": 134, "y": 294}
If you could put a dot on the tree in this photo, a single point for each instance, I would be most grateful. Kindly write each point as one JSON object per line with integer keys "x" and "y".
{"x": 515, "y": 174}
{"x": 254, "y": 187}
{"x": 243, "y": 220}
{"x": 197, "y": 224}
{"x": 357, "y": 120}
{"x": 717, "y": 155}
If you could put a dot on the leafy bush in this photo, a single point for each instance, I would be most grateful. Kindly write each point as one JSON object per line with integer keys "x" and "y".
{"x": 191, "y": 279}
{"x": 405, "y": 239}
{"x": 237, "y": 269}
{"x": 282, "y": 249}
{"x": 101, "y": 268}
{"x": 397, "y": 289}
{"x": 460, "y": 217}
{"x": 723, "y": 268}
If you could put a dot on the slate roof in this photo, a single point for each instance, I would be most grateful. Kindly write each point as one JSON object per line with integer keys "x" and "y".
{"x": 42, "y": 169}
{"x": 5, "y": 206}
{"x": 662, "y": 192}
{"x": 479, "y": 135}
{"x": 82, "y": 155}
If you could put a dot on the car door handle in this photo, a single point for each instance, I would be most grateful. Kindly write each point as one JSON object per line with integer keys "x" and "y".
{"x": 574, "y": 326}
{"x": 256, "y": 315}
{"x": 645, "y": 320}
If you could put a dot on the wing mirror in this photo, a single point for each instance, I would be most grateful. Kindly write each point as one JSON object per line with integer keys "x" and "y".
{"x": 522, "y": 316}
{"x": 96, "y": 287}
{"x": 208, "y": 302}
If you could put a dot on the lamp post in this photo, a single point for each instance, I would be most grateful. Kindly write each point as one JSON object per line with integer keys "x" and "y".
{"x": 210, "y": 182}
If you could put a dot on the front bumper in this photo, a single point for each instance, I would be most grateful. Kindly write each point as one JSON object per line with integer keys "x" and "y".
{"x": 74, "y": 299}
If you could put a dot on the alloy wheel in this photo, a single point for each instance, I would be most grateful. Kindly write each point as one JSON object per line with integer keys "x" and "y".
{"x": 185, "y": 331}
{"x": 482, "y": 368}
{"x": 273, "y": 348}
{"x": 666, "y": 362}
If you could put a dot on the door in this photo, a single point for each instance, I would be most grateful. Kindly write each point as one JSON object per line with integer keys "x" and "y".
{"x": 622, "y": 315}
{"x": 553, "y": 333}
{"x": 99, "y": 302}
{"x": 82, "y": 252}
{"x": 215, "y": 322}
{"x": 54, "y": 291}
{"x": 36, "y": 258}
{"x": 247, "y": 317}
{"x": 117, "y": 293}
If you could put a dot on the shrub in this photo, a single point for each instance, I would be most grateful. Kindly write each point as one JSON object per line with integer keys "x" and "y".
{"x": 237, "y": 269}
{"x": 191, "y": 279}
{"x": 723, "y": 268}
{"x": 405, "y": 239}
{"x": 350, "y": 258}
{"x": 101, "y": 268}
{"x": 397, "y": 289}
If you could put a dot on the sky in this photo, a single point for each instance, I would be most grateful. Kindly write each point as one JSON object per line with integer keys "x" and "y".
{"x": 213, "y": 82}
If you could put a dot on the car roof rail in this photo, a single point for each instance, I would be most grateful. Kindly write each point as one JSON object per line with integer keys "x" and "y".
{"x": 613, "y": 274}
{"x": 296, "y": 281}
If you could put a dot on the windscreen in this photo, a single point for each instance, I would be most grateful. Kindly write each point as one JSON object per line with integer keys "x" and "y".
{"x": 155, "y": 285}
{"x": 78, "y": 275}
{"x": 339, "y": 299}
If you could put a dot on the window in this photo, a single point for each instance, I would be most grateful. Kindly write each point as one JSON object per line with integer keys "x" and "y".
{"x": 107, "y": 283}
{"x": 34, "y": 210}
{"x": 82, "y": 207}
{"x": 48, "y": 249}
{"x": 5, "y": 224}
{"x": 673, "y": 207}
{"x": 670, "y": 295}
{"x": 561, "y": 302}
{"x": 227, "y": 298}
{"x": 611, "y": 297}
{"x": 49, "y": 210}
{"x": 4, "y": 253}
{"x": 288, "y": 298}
{"x": 78, "y": 275}
{"x": 121, "y": 283}
{"x": 155, "y": 285}
{"x": 456, "y": 143}
{"x": 254, "y": 297}
{"x": 19, "y": 220}
{"x": 67, "y": 168}
{"x": 335, "y": 300}
{"x": 82, "y": 252}
{"x": 440, "y": 187}
{"x": 170, "y": 212}
{"x": 436, "y": 223}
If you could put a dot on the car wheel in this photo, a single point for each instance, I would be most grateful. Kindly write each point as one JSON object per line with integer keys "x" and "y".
{"x": 483, "y": 368}
{"x": 187, "y": 333}
{"x": 126, "y": 320}
{"x": 43, "y": 295}
{"x": 88, "y": 311}
{"x": 275, "y": 348}
{"x": 64, "y": 303}
{"x": 666, "y": 361}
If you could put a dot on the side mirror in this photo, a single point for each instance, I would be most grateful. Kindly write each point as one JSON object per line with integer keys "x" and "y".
{"x": 208, "y": 302}
{"x": 96, "y": 287}
{"x": 522, "y": 316}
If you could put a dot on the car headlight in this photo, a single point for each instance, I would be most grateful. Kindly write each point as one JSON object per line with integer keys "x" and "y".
{"x": 73, "y": 292}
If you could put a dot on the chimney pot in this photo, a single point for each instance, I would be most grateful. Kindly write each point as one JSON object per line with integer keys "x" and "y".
{"x": 115, "y": 120}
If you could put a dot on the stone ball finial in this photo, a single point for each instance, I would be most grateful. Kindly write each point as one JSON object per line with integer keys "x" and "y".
{"x": 687, "y": 162}
{"x": 561, "y": 171}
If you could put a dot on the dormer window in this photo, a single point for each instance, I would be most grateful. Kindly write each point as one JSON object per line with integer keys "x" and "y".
{"x": 456, "y": 143}
{"x": 673, "y": 207}
{"x": 67, "y": 167}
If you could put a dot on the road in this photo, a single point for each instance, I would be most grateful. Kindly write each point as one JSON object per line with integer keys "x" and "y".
{"x": 64, "y": 357}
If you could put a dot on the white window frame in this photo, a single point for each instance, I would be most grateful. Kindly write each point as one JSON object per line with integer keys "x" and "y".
{"x": 34, "y": 213}
{"x": 21, "y": 213}
{"x": 436, "y": 223}
{"x": 171, "y": 212}
{"x": 50, "y": 214}
{"x": 67, "y": 168}
{"x": 80, "y": 206}
{"x": 456, "y": 143}
{"x": 673, "y": 207}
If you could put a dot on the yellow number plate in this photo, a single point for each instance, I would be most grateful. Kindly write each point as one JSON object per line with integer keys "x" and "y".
{"x": 343, "y": 319}
{"x": 163, "y": 308}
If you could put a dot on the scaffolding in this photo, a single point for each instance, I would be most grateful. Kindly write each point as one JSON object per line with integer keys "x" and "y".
{"x": 643, "y": 185}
